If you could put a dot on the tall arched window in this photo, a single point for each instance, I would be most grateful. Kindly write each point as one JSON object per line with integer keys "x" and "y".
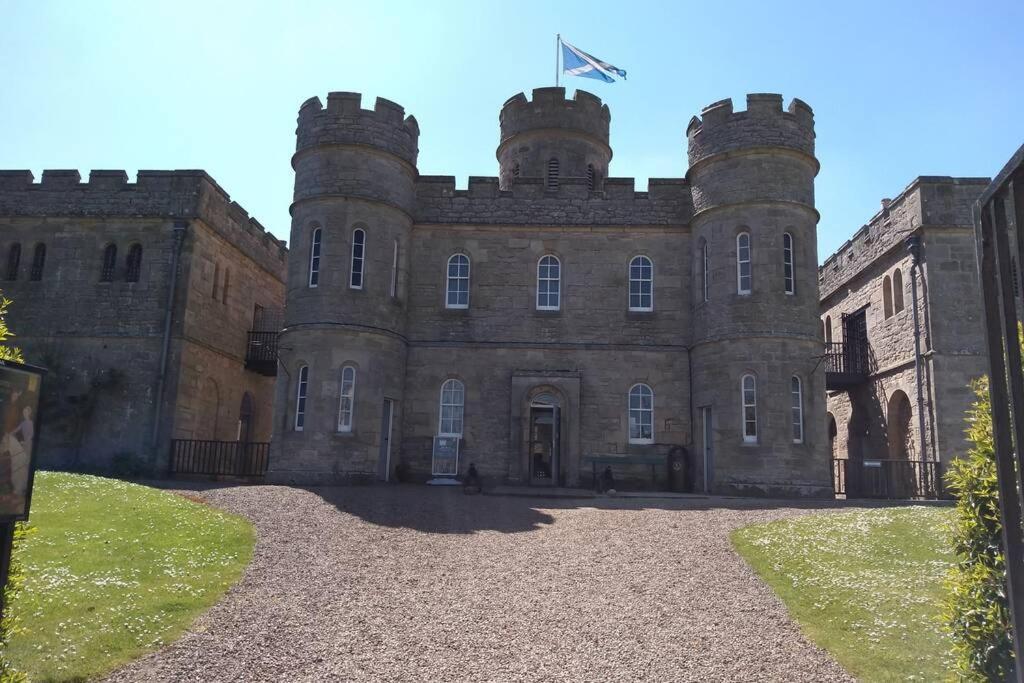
{"x": 552, "y": 179}
{"x": 828, "y": 329}
{"x": 13, "y": 260}
{"x": 591, "y": 183}
{"x": 797, "y": 408}
{"x": 743, "y": 272}
{"x": 897, "y": 291}
{"x": 748, "y": 389}
{"x": 346, "y": 400}
{"x": 788, "y": 275}
{"x": 549, "y": 283}
{"x": 453, "y": 397}
{"x": 641, "y": 414}
{"x": 705, "y": 271}
{"x": 134, "y": 263}
{"x": 38, "y": 263}
{"x": 300, "y": 398}
{"x": 641, "y": 284}
{"x": 358, "y": 258}
{"x": 887, "y": 296}
{"x": 109, "y": 263}
{"x": 458, "y": 282}
{"x": 314, "y": 257}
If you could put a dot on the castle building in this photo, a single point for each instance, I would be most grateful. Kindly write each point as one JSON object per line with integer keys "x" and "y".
{"x": 880, "y": 410}
{"x": 553, "y": 312}
{"x": 139, "y": 299}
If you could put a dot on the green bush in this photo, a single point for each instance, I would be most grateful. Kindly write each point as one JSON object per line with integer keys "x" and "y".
{"x": 9, "y": 623}
{"x": 976, "y": 611}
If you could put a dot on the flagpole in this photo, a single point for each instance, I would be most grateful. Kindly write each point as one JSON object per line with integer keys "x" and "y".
{"x": 558, "y": 44}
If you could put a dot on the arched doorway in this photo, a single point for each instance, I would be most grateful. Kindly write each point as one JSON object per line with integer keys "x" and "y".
{"x": 245, "y": 419}
{"x": 898, "y": 421}
{"x": 833, "y": 433}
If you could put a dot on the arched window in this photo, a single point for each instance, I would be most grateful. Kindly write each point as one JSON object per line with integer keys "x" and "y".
{"x": 358, "y": 257}
{"x": 641, "y": 284}
{"x": 641, "y": 414}
{"x": 552, "y": 180}
{"x": 314, "y": 257}
{"x": 797, "y": 408}
{"x": 226, "y": 285}
{"x": 549, "y": 283}
{"x": 394, "y": 270}
{"x": 300, "y": 398}
{"x": 898, "y": 427}
{"x": 13, "y": 260}
{"x": 748, "y": 389}
{"x": 346, "y": 400}
{"x": 109, "y": 263}
{"x": 828, "y": 329}
{"x": 216, "y": 280}
{"x": 705, "y": 270}
{"x": 134, "y": 263}
{"x": 887, "y": 296}
{"x": 591, "y": 185}
{"x": 453, "y": 397}
{"x": 788, "y": 276}
{"x": 743, "y": 273}
{"x": 458, "y": 282}
{"x": 38, "y": 263}
{"x": 897, "y": 291}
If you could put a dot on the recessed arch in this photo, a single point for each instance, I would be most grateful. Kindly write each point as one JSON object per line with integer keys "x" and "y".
{"x": 897, "y": 290}
{"x": 887, "y": 297}
{"x": 899, "y": 426}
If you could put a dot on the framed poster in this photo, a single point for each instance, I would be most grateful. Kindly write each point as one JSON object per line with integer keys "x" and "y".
{"x": 446, "y": 456}
{"x": 20, "y": 387}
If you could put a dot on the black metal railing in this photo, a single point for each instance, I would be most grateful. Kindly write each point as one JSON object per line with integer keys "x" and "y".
{"x": 886, "y": 478}
{"x": 846, "y": 364}
{"x": 232, "y": 458}
{"x": 261, "y": 352}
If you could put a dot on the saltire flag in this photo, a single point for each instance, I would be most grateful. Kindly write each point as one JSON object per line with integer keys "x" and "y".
{"x": 576, "y": 62}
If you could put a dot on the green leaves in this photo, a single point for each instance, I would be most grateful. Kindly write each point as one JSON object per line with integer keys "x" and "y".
{"x": 7, "y": 352}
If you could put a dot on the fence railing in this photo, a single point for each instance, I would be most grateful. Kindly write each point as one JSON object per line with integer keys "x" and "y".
{"x": 233, "y": 458}
{"x": 846, "y": 358}
{"x": 261, "y": 351}
{"x": 892, "y": 479}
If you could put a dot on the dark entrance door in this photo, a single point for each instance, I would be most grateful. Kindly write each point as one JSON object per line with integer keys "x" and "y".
{"x": 545, "y": 463}
{"x": 855, "y": 338}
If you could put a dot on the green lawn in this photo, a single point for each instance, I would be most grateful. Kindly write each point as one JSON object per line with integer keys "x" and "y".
{"x": 114, "y": 570}
{"x": 864, "y": 585}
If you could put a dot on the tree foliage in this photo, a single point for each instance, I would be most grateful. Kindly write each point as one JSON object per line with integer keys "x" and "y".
{"x": 7, "y": 352}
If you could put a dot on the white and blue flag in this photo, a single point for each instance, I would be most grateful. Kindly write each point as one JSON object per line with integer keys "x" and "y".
{"x": 576, "y": 62}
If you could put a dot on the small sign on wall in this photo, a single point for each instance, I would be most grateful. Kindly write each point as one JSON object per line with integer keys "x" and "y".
{"x": 446, "y": 456}
{"x": 19, "y": 418}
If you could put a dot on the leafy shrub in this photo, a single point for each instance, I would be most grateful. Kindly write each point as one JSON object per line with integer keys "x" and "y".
{"x": 9, "y": 623}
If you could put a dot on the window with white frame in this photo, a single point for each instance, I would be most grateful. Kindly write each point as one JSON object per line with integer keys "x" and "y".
{"x": 300, "y": 398}
{"x": 358, "y": 258}
{"x": 641, "y": 284}
{"x": 453, "y": 398}
{"x": 314, "y": 258}
{"x": 748, "y": 389}
{"x": 394, "y": 270}
{"x": 457, "y": 288}
{"x": 549, "y": 283}
{"x": 346, "y": 400}
{"x": 797, "y": 400}
{"x": 789, "y": 278}
{"x": 641, "y": 414}
{"x": 743, "y": 274}
{"x": 706, "y": 270}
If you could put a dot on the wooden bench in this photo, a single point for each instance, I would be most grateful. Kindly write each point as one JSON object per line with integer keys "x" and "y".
{"x": 610, "y": 459}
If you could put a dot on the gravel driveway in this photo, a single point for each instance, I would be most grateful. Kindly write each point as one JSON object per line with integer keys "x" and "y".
{"x": 420, "y": 584}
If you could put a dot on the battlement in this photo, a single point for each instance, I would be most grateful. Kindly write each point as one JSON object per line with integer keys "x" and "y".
{"x": 666, "y": 202}
{"x": 187, "y": 194}
{"x": 550, "y": 109}
{"x": 344, "y": 121}
{"x": 764, "y": 124}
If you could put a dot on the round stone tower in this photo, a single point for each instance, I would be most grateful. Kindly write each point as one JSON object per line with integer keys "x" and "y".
{"x": 755, "y": 299}
{"x": 552, "y": 135}
{"x": 345, "y": 305}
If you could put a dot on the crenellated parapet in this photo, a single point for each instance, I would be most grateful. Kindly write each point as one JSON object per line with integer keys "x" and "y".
{"x": 719, "y": 129}
{"x": 345, "y": 122}
{"x": 584, "y": 113}
{"x": 182, "y": 194}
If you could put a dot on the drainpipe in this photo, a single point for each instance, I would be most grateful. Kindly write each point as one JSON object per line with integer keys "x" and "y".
{"x": 180, "y": 226}
{"x": 914, "y": 247}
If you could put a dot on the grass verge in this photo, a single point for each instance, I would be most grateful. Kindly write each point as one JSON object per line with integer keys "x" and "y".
{"x": 114, "y": 570}
{"x": 865, "y": 585}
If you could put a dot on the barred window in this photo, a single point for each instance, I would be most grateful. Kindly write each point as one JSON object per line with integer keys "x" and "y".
{"x": 748, "y": 389}
{"x": 300, "y": 398}
{"x": 358, "y": 258}
{"x": 134, "y": 263}
{"x": 458, "y": 282}
{"x": 743, "y": 270}
{"x": 787, "y": 263}
{"x": 38, "y": 263}
{"x": 515, "y": 170}
{"x": 797, "y": 403}
{"x": 109, "y": 263}
{"x": 591, "y": 181}
{"x": 641, "y": 414}
{"x": 552, "y": 179}
{"x": 641, "y": 284}
{"x": 314, "y": 257}
{"x": 549, "y": 283}
{"x": 346, "y": 401}
{"x": 453, "y": 397}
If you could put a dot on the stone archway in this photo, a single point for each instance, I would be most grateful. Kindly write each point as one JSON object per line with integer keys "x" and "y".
{"x": 899, "y": 430}
{"x": 833, "y": 434}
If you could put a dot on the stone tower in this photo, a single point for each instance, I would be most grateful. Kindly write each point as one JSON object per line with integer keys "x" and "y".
{"x": 345, "y": 317}
{"x": 755, "y": 295}
{"x": 552, "y": 137}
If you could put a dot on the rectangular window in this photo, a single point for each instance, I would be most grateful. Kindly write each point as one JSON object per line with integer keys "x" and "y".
{"x": 705, "y": 272}
{"x": 394, "y": 271}
{"x": 346, "y": 402}
{"x": 300, "y": 398}
{"x": 787, "y": 263}
{"x": 749, "y": 390}
{"x": 743, "y": 270}
{"x": 358, "y": 259}
{"x": 797, "y": 409}
{"x": 314, "y": 258}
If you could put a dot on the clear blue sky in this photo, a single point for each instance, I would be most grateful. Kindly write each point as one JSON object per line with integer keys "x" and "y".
{"x": 898, "y": 89}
